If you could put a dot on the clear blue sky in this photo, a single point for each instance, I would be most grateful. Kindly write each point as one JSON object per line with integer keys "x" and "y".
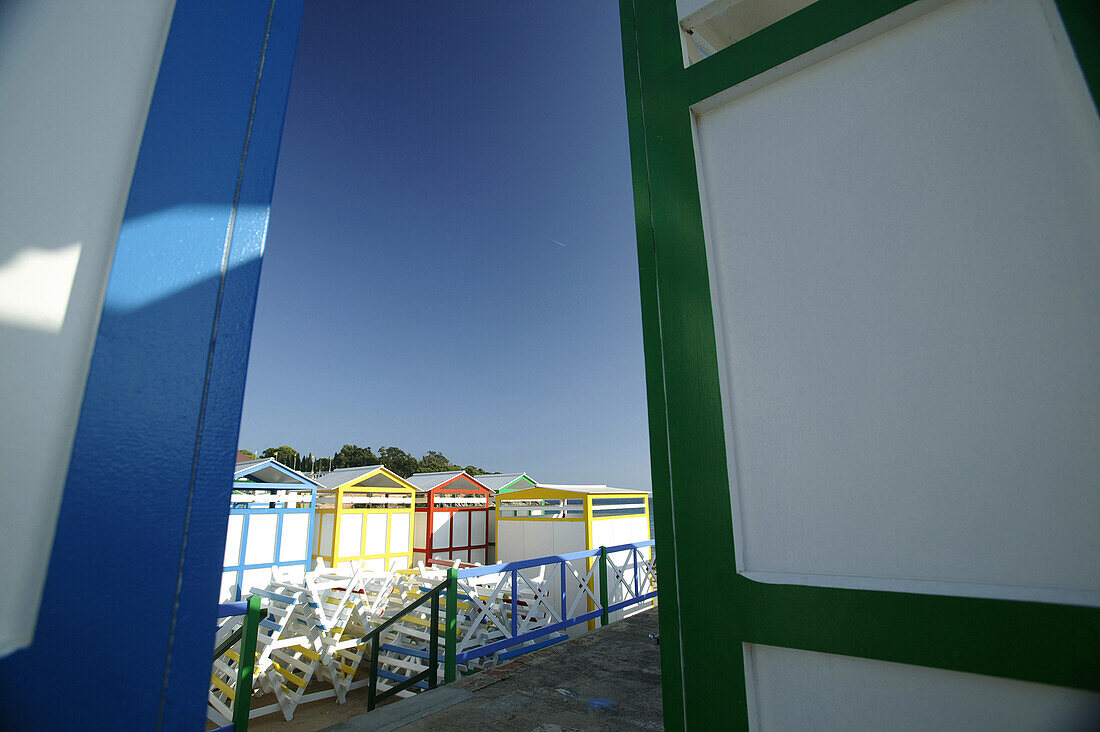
{"x": 415, "y": 289}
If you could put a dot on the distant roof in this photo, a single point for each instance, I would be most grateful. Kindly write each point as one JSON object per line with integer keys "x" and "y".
{"x": 428, "y": 481}
{"x": 269, "y": 470}
{"x": 242, "y": 456}
{"x": 343, "y": 476}
{"x": 587, "y": 489}
{"x": 496, "y": 481}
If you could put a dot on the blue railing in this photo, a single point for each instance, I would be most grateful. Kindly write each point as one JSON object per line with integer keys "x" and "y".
{"x": 516, "y": 611}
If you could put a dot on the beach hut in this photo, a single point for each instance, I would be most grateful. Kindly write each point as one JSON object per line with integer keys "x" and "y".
{"x": 558, "y": 519}
{"x": 364, "y": 514}
{"x": 506, "y": 482}
{"x": 270, "y": 525}
{"x": 502, "y": 483}
{"x": 456, "y": 507}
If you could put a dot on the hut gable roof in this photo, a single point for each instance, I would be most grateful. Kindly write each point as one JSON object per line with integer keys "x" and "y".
{"x": 459, "y": 479}
{"x": 500, "y": 481}
{"x": 270, "y": 470}
{"x": 366, "y": 476}
{"x": 589, "y": 489}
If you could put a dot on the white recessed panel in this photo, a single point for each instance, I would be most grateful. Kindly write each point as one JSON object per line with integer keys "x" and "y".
{"x": 399, "y": 532}
{"x": 441, "y": 530}
{"x": 351, "y": 534}
{"x": 376, "y": 533}
{"x": 478, "y": 528}
{"x": 904, "y": 244}
{"x": 259, "y": 541}
{"x": 461, "y": 532}
{"x": 420, "y": 530}
{"x": 477, "y": 556}
{"x": 294, "y": 539}
{"x": 228, "y": 591}
{"x": 804, "y": 690}
{"x": 325, "y": 534}
{"x": 233, "y": 540}
{"x": 252, "y": 579}
{"x": 294, "y": 574}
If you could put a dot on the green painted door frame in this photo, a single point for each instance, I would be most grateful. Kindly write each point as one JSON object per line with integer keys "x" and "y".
{"x": 702, "y": 658}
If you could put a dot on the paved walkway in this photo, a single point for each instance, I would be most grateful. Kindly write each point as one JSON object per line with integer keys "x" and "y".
{"x": 609, "y": 679}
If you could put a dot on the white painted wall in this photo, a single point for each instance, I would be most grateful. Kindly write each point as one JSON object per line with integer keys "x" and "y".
{"x": 461, "y": 531}
{"x": 905, "y": 251}
{"x": 399, "y": 532}
{"x": 377, "y": 534}
{"x": 233, "y": 540}
{"x": 802, "y": 690}
{"x": 76, "y": 80}
{"x": 294, "y": 538}
{"x": 259, "y": 542}
{"x": 324, "y": 535}
{"x": 904, "y": 245}
{"x": 351, "y": 535}
{"x": 420, "y": 530}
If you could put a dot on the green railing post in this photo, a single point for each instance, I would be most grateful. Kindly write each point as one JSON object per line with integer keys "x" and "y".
{"x": 604, "y": 619}
{"x": 449, "y": 665}
{"x": 246, "y": 662}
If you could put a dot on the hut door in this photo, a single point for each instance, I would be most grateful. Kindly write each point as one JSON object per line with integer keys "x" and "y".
{"x": 868, "y": 252}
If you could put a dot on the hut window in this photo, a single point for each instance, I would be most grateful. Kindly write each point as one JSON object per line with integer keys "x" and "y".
{"x": 620, "y": 506}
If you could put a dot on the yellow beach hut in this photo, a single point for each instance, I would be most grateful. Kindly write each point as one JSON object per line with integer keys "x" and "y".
{"x": 553, "y": 519}
{"x": 364, "y": 514}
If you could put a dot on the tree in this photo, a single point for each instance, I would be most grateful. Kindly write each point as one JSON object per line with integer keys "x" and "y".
{"x": 353, "y": 456}
{"x": 248, "y": 453}
{"x": 285, "y": 454}
{"x": 398, "y": 461}
{"x": 435, "y": 462}
{"x": 474, "y": 470}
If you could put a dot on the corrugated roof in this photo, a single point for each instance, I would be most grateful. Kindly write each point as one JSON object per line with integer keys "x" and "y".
{"x": 586, "y": 489}
{"x": 428, "y": 481}
{"x": 343, "y": 476}
{"x": 496, "y": 481}
{"x": 264, "y": 469}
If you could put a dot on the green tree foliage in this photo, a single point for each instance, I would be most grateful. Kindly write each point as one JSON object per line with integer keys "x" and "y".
{"x": 285, "y": 454}
{"x": 435, "y": 462}
{"x": 353, "y": 456}
{"x": 248, "y": 453}
{"x": 398, "y": 461}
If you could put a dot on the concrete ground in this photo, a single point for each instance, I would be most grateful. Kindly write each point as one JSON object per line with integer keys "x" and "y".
{"x": 609, "y": 679}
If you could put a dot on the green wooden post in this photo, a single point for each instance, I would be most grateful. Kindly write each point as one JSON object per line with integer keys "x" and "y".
{"x": 449, "y": 665}
{"x": 242, "y": 701}
{"x": 604, "y": 619}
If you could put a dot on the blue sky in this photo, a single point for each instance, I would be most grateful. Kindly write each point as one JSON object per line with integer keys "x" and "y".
{"x": 451, "y": 260}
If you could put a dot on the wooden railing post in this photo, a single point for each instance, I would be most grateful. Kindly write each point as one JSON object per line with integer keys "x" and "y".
{"x": 605, "y": 617}
{"x": 433, "y": 644}
{"x": 450, "y": 666}
{"x": 242, "y": 700}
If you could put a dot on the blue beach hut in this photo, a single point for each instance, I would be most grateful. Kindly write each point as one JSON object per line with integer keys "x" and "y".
{"x": 270, "y": 526}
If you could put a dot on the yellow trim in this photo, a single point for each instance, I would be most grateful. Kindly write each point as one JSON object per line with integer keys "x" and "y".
{"x": 329, "y": 552}
{"x": 535, "y": 518}
{"x": 289, "y": 676}
{"x": 530, "y": 494}
{"x": 226, "y": 689}
{"x": 588, "y": 562}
